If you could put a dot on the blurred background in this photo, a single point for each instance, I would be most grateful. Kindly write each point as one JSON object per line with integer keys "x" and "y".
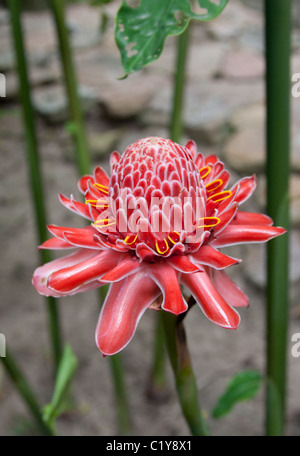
{"x": 224, "y": 113}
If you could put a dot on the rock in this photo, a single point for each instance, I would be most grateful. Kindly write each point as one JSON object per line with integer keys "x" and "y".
{"x": 120, "y": 99}
{"x": 254, "y": 265}
{"x": 51, "y": 102}
{"x": 294, "y": 197}
{"x": 205, "y": 61}
{"x": 102, "y": 144}
{"x": 245, "y": 151}
{"x": 7, "y": 61}
{"x": 208, "y": 107}
{"x": 244, "y": 63}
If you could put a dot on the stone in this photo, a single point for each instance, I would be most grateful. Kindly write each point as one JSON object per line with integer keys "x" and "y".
{"x": 260, "y": 195}
{"x": 120, "y": 99}
{"x": 244, "y": 63}
{"x": 205, "y": 61}
{"x": 104, "y": 143}
{"x": 245, "y": 150}
{"x": 51, "y": 102}
{"x": 254, "y": 265}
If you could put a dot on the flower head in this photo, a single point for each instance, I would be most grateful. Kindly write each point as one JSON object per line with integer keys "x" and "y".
{"x": 157, "y": 223}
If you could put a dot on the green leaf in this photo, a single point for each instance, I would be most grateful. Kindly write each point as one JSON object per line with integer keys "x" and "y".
{"x": 243, "y": 386}
{"x": 140, "y": 32}
{"x": 66, "y": 371}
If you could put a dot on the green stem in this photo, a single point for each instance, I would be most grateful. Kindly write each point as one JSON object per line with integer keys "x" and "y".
{"x": 278, "y": 46}
{"x": 25, "y": 391}
{"x": 78, "y": 128}
{"x": 186, "y": 384}
{"x": 176, "y": 126}
{"x": 34, "y": 163}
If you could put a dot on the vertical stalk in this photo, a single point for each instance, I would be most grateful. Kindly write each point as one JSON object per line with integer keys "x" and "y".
{"x": 33, "y": 163}
{"x": 25, "y": 391}
{"x": 78, "y": 128}
{"x": 176, "y": 126}
{"x": 185, "y": 380}
{"x": 278, "y": 36}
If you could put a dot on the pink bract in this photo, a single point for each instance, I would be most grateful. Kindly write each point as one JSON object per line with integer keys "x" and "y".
{"x": 157, "y": 223}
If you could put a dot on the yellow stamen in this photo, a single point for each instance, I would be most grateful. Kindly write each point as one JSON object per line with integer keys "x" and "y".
{"x": 97, "y": 203}
{"x": 129, "y": 241}
{"x": 204, "y": 172}
{"x": 104, "y": 222}
{"x": 208, "y": 222}
{"x": 162, "y": 252}
{"x": 176, "y": 234}
{"x": 214, "y": 185}
{"x": 102, "y": 188}
{"x": 220, "y": 196}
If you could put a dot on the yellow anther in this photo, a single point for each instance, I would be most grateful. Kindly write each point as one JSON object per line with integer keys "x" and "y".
{"x": 102, "y": 188}
{"x": 214, "y": 185}
{"x": 177, "y": 235}
{"x": 220, "y": 196}
{"x": 162, "y": 252}
{"x": 104, "y": 222}
{"x": 205, "y": 171}
{"x": 208, "y": 222}
{"x": 129, "y": 241}
{"x": 98, "y": 203}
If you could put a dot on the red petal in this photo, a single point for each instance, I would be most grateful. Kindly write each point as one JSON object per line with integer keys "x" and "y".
{"x": 166, "y": 278}
{"x": 247, "y": 186}
{"x": 211, "y": 302}
{"x": 226, "y": 217}
{"x": 75, "y": 206}
{"x": 125, "y": 304}
{"x": 191, "y": 145}
{"x": 232, "y": 294}
{"x": 100, "y": 176}
{"x": 41, "y": 274}
{"x": 83, "y": 183}
{"x": 56, "y": 244}
{"x": 183, "y": 264}
{"x": 80, "y": 237}
{"x": 209, "y": 256}
{"x": 68, "y": 279}
{"x": 126, "y": 267}
{"x": 251, "y": 218}
{"x": 241, "y": 234}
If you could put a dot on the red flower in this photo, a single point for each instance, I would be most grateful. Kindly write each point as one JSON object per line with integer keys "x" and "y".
{"x": 158, "y": 222}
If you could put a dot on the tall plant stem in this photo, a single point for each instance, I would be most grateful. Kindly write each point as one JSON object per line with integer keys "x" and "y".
{"x": 185, "y": 380}
{"x": 26, "y": 393}
{"x": 278, "y": 32}
{"x": 77, "y": 125}
{"x": 34, "y": 163}
{"x": 176, "y": 126}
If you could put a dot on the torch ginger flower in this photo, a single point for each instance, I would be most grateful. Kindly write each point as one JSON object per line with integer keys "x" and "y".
{"x": 156, "y": 224}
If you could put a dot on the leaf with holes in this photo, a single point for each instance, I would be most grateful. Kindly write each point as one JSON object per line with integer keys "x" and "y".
{"x": 140, "y": 32}
{"x": 243, "y": 386}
